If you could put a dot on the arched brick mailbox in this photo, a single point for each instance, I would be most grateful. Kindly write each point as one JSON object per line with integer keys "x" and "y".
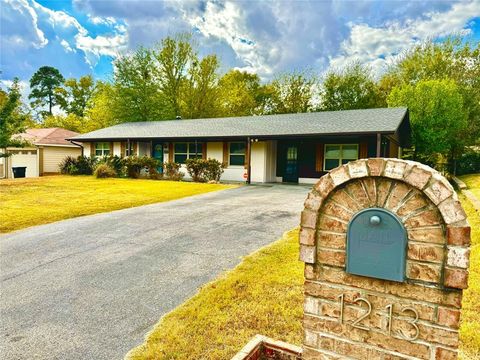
{"x": 385, "y": 244}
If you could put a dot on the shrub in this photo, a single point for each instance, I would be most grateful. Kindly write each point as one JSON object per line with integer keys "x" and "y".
{"x": 214, "y": 170}
{"x": 81, "y": 165}
{"x": 134, "y": 166}
{"x": 105, "y": 171}
{"x": 68, "y": 165}
{"x": 115, "y": 162}
{"x": 172, "y": 171}
{"x": 86, "y": 165}
{"x": 469, "y": 163}
{"x": 205, "y": 170}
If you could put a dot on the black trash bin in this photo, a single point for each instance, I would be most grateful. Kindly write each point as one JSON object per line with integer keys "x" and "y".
{"x": 19, "y": 171}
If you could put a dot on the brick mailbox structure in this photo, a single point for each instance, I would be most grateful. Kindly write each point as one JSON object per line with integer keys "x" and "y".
{"x": 386, "y": 249}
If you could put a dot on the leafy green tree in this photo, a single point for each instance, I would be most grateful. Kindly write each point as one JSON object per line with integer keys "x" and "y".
{"x": 350, "y": 88}
{"x": 454, "y": 59}
{"x": 174, "y": 56}
{"x": 239, "y": 93}
{"x": 43, "y": 84}
{"x": 12, "y": 117}
{"x": 71, "y": 122}
{"x": 137, "y": 94}
{"x": 100, "y": 110}
{"x": 292, "y": 93}
{"x": 75, "y": 94}
{"x": 438, "y": 118}
{"x": 200, "y": 93}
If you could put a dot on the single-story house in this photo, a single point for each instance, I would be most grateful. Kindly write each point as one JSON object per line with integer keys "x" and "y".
{"x": 46, "y": 149}
{"x": 269, "y": 148}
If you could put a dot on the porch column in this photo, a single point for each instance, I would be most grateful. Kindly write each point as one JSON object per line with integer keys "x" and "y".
{"x": 379, "y": 145}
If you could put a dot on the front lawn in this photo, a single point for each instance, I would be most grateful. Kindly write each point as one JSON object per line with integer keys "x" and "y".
{"x": 473, "y": 183}
{"x": 264, "y": 295}
{"x": 35, "y": 201}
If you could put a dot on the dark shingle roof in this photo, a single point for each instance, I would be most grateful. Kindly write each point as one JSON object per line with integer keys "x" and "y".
{"x": 386, "y": 120}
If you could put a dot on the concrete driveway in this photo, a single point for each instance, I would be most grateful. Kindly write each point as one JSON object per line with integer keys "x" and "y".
{"x": 92, "y": 287}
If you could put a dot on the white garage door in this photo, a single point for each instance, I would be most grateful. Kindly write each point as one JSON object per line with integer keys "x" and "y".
{"x": 26, "y": 158}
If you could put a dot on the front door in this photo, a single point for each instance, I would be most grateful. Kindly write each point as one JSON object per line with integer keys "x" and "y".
{"x": 157, "y": 153}
{"x": 291, "y": 164}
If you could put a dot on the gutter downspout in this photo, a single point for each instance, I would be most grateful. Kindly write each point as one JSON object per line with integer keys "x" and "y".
{"x": 77, "y": 144}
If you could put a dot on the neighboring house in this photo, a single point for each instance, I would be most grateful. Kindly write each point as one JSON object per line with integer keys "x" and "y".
{"x": 48, "y": 148}
{"x": 271, "y": 148}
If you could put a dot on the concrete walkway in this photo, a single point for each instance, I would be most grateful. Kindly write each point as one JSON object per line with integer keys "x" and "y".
{"x": 92, "y": 287}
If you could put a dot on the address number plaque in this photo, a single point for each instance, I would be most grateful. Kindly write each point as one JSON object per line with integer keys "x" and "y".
{"x": 389, "y": 317}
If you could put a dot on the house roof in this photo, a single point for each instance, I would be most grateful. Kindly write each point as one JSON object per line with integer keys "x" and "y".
{"x": 48, "y": 136}
{"x": 367, "y": 121}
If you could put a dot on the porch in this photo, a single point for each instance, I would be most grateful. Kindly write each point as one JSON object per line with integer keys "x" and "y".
{"x": 258, "y": 160}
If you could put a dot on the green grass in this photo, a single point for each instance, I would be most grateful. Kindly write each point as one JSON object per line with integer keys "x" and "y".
{"x": 35, "y": 201}
{"x": 263, "y": 295}
{"x": 473, "y": 183}
{"x": 470, "y": 328}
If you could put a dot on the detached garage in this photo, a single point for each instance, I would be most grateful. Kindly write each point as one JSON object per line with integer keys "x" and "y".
{"x": 48, "y": 148}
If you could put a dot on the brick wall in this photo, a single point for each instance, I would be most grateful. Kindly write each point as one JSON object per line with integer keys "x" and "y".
{"x": 417, "y": 318}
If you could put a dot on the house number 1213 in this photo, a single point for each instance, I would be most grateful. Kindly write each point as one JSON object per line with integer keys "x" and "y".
{"x": 389, "y": 309}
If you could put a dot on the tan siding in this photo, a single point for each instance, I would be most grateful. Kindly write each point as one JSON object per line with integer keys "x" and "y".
{"x": 53, "y": 155}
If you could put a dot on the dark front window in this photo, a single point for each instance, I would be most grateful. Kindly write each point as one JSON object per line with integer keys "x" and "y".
{"x": 237, "y": 153}
{"x": 184, "y": 151}
{"x": 102, "y": 149}
{"x": 336, "y": 155}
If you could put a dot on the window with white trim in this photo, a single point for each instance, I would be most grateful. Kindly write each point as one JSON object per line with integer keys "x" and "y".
{"x": 128, "y": 151}
{"x": 102, "y": 149}
{"x": 184, "y": 151}
{"x": 236, "y": 153}
{"x": 339, "y": 154}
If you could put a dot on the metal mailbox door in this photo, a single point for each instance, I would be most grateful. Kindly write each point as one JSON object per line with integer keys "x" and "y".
{"x": 376, "y": 245}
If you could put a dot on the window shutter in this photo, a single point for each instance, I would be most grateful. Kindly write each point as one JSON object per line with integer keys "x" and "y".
{"x": 319, "y": 158}
{"x": 363, "y": 150}
{"x": 135, "y": 147}
{"x": 111, "y": 148}
{"x": 92, "y": 149}
{"x": 123, "y": 149}
{"x": 225, "y": 153}
{"x": 170, "y": 152}
{"x": 204, "y": 150}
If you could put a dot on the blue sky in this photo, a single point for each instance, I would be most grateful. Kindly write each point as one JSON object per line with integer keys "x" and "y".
{"x": 83, "y": 36}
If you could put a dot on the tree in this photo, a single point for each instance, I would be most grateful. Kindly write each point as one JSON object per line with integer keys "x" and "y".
{"x": 200, "y": 92}
{"x": 239, "y": 93}
{"x": 293, "y": 93}
{"x": 350, "y": 88}
{"x": 100, "y": 110}
{"x": 70, "y": 122}
{"x": 12, "y": 117}
{"x": 438, "y": 118}
{"x": 74, "y": 96}
{"x": 137, "y": 94}
{"x": 43, "y": 84}
{"x": 174, "y": 57}
{"x": 454, "y": 59}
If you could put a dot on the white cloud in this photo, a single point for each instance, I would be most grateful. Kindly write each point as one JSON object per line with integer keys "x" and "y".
{"x": 20, "y": 25}
{"x": 71, "y": 31}
{"x": 226, "y": 21}
{"x": 379, "y": 46}
{"x": 67, "y": 46}
{"x": 101, "y": 45}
